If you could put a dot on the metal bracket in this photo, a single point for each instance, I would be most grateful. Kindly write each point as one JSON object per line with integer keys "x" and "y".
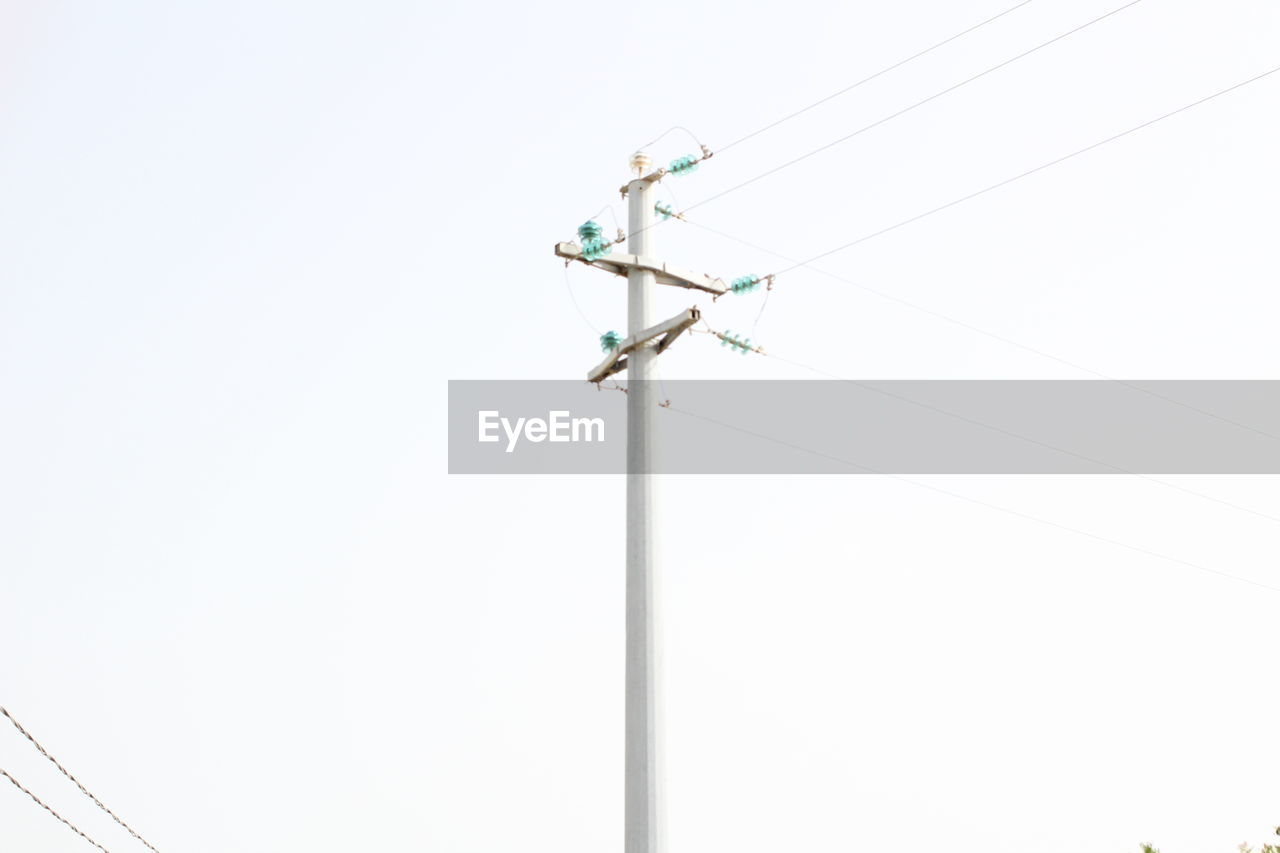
{"x": 663, "y": 272}
{"x": 668, "y": 331}
{"x": 653, "y": 177}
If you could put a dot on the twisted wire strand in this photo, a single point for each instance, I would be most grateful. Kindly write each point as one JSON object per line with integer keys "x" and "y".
{"x": 46, "y": 807}
{"x": 79, "y": 785}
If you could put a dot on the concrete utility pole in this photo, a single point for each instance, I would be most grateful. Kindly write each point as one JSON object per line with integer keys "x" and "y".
{"x": 641, "y": 769}
{"x": 636, "y": 354}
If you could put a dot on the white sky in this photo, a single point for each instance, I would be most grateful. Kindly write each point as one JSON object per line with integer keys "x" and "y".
{"x": 245, "y": 244}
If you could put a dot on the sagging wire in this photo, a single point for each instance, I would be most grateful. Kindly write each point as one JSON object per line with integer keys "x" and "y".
{"x": 763, "y": 305}
{"x": 569, "y": 288}
{"x": 667, "y": 132}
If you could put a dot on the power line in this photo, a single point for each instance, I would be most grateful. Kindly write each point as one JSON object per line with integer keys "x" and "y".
{"x": 865, "y": 80}
{"x": 917, "y": 104}
{"x": 686, "y": 130}
{"x": 45, "y": 806}
{"x": 583, "y": 314}
{"x": 1117, "y": 468}
{"x": 82, "y": 788}
{"x": 985, "y": 332}
{"x": 1027, "y": 173}
{"x": 1006, "y": 432}
{"x": 807, "y": 263}
{"x": 979, "y": 502}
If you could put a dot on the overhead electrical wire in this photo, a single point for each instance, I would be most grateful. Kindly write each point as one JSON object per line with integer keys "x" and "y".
{"x": 866, "y": 80}
{"x": 1027, "y": 173}
{"x": 77, "y": 782}
{"x": 794, "y": 264}
{"x": 960, "y": 496}
{"x": 42, "y": 804}
{"x": 861, "y": 82}
{"x": 583, "y": 314}
{"x": 913, "y": 106}
{"x": 1010, "y": 433}
{"x": 1002, "y": 431}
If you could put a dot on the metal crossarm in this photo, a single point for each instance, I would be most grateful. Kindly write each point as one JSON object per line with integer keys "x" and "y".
{"x": 668, "y": 331}
{"x": 664, "y": 273}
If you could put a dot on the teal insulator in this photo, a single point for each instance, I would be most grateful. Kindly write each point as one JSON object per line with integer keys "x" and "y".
{"x": 683, "y": 165}
{"x": 728, "y": 336}
{"x": 590, "y": 230}
{"x": 745, "y": 283}
{"x": 593, "y": 248}
{"x": 664, "y": 210}
{"x": 610, "y": 340}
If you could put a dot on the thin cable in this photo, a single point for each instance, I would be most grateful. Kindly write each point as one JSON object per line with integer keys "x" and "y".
{"x": 764, "y": 303}
{"x": 660, "y": 136}
{"x": 917, "y": 104}
{"x": 1029, "y": 172}
{"x": 973, "y": 500}
{"x": 808, "y": 264}
{"x": 45, "y": 806}
{"x": 569, "y": 287}
{"x": 82, "y": 788}
{"x": 864, "y": 80}
{"x": 1117, "y": 468}
{"x": 612, "y": 215}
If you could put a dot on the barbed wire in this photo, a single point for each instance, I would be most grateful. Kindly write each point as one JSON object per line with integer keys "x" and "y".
{"x": 82, "y": 788}
{"x": 46, "y": 807}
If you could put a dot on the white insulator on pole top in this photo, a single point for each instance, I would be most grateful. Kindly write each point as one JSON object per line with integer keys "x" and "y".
{"x": 640, "y": 163}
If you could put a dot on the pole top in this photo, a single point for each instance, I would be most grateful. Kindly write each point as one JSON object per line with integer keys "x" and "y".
{"x": 640, "y": 163}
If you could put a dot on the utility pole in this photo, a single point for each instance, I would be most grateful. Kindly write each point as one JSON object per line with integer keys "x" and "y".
{"x": 641, "y": 768}
{"x": 636, "y": 354}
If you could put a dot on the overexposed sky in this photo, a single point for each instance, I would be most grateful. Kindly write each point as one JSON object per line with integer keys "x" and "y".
{"x": 244, "y": 245}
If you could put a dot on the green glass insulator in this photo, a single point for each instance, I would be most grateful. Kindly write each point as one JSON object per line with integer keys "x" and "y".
{"x": 610, "y": 340}
{"x": 590, "y": 230}
{"x": 683, "y": 165}
{"x": 593, "y": 248}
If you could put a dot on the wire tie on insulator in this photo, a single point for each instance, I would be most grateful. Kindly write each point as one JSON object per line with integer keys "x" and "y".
{"x": 683, "y": 165}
